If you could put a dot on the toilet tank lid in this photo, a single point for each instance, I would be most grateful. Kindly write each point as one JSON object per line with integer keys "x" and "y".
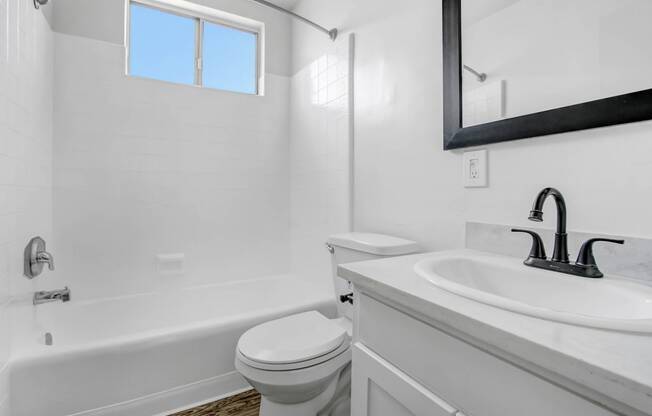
{"x": 378, "y": 244}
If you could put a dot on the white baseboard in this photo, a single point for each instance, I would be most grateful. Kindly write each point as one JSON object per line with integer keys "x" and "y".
{"x": 179, "y": 398}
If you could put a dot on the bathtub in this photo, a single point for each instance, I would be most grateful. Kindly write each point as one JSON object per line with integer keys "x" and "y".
{"x": 144, "y": 354}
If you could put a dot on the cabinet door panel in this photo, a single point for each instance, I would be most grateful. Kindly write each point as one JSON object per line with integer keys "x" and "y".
{"x": 382, "y": 403}
{"x": 380, "y": 389}
{"x": 469, "y": 378}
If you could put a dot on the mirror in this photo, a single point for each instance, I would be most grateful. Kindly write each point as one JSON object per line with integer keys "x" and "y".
{"x": 526, "y": 68}
{"x": 540, "y": 55}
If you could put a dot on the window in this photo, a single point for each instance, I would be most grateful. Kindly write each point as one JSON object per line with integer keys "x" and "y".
{"x": 229, "y": 59}
{"x": 191, "y": 49}
{"x": 162, "y": 45}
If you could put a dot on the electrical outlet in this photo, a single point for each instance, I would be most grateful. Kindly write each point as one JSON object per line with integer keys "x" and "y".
{"x": 475, "y": 169}
{"x": 474, "y": 165}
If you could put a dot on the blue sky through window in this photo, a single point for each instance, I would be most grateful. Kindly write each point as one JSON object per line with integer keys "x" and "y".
{"x": 229, "y": 59}
{"x": 162, "y": 46}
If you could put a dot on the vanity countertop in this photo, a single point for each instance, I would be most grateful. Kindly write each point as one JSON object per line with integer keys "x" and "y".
{"x": 616, "y": 365}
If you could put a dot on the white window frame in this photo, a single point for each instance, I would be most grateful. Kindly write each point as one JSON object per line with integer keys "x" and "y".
{"x": 202, "y": 14}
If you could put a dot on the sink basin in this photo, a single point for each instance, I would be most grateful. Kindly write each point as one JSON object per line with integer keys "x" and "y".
{"x": 503, "y": 282}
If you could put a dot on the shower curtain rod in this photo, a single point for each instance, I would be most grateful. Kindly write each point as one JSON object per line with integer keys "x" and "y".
{"x": 331, "y": 33}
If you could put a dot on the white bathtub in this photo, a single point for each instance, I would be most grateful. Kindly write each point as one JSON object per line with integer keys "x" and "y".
{"x": 145, "y": 354}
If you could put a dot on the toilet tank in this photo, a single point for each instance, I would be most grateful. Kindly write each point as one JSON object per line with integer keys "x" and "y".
{"x": 352, "y": 247}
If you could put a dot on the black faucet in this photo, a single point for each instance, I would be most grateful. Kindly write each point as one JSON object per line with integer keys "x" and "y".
{"x": 585, "y": 265}
{"x": 560, "y": 252}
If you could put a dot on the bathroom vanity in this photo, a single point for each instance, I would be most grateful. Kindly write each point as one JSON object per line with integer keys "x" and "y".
{"x": 422, "y": 349}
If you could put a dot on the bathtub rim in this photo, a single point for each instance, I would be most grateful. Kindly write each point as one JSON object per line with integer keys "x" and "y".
{"x": 22, "y": 349}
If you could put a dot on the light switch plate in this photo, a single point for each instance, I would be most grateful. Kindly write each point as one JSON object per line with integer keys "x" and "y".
{"x": 475, "y": 169}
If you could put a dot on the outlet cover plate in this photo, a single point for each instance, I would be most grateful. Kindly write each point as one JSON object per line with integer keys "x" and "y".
{"x": 475, "y": 170}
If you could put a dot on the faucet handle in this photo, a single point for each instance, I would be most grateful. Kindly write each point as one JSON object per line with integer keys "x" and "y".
{"x": 538, "y": 250}
{"x": 35, "y": 257}
{"x": 45, "y": 257}
{"x": 586, "y": 258}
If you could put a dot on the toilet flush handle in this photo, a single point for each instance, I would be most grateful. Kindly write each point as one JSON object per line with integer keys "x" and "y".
{"x": 348, "y": 298}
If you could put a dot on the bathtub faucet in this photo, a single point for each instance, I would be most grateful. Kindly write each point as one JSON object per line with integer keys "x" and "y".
{"x": 52, "y": 296}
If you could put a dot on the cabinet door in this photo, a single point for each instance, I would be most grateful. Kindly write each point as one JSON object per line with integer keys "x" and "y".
{"x": 475, "y": 381}
{"x": 380, "y": 389}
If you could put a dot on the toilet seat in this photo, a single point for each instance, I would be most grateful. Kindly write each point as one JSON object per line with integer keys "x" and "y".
{"x": 294, "y": 377}
{"x": 295, "y": 342}
{"x": 298, "y": 365}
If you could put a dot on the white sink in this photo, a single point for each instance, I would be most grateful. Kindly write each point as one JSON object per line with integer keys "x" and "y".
{"x": 503, "y": 282}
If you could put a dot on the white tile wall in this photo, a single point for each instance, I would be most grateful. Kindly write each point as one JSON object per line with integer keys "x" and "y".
{"x": 405, "y": 184}
{"x": 4, "y": 369}
{"x": 144, "y": 168}
{"x": 319, "y": 159}
{"x": 4, "y": 409}
{"x": 26, "y": 65}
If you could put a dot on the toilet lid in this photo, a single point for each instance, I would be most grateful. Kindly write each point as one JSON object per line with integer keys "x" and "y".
{"x": 292, "y": 339}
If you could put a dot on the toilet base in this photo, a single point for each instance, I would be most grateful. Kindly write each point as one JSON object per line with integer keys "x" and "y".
{"x": 334, "y": 401}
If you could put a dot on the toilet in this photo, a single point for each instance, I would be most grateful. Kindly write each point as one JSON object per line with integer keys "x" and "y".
{"x": 301, "y": 364}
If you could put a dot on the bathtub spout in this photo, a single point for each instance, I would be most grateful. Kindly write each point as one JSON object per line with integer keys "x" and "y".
{"x": 52, "y": 296}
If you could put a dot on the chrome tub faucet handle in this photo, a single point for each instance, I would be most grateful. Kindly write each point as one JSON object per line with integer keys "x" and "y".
{"x": 36, "y": 257}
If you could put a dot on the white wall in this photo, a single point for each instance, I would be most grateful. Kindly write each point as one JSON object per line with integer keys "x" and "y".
{"x": 319, "y": 155}
{"x": 405, "y": 184}
{"x": 144, "y": 168}
{"x": 604, "y": 175}
{"x": 25, "y": 154}
{"x": 408, "y": 186}
{"x": 602, "y": 172}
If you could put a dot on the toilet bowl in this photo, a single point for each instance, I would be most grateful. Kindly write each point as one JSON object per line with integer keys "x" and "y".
{"x": 301, "y": 364}
{"x": 296, "y": 363}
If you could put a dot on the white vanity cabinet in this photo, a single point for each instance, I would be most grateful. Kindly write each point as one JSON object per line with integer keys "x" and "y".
{"x": 380, "y": 389}
{"x": 404, "y": 366}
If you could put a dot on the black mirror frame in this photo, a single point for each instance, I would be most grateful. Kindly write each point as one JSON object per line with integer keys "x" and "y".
{"x": 621, "y": 109}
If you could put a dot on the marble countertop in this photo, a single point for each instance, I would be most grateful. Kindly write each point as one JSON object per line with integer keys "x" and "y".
{"x": 616, "y": 365}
